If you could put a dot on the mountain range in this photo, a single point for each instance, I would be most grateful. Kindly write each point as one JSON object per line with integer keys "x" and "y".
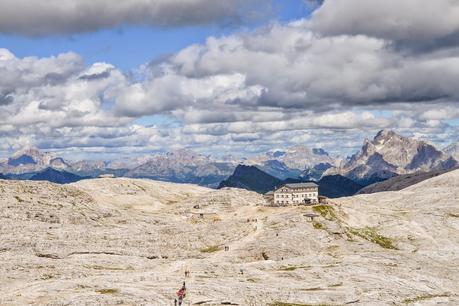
{"x": 387, "y": 155}
{"x": 183, "y": 166}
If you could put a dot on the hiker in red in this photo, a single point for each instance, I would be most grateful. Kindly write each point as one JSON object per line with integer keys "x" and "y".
{"x": 181, "y": 294}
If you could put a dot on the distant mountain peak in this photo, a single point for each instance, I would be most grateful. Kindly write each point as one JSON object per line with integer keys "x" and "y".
{"x": 30, "y": 156}
{"x": 386, "y": 133}
{"x": 321, "y": 152}
{"x": 390, "y": 154}
{"x": 453, "y": 150}
{"x": 30, "y": 151}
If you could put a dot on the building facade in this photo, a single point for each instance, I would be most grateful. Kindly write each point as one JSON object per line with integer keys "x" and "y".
{"x": 295, "y": 194}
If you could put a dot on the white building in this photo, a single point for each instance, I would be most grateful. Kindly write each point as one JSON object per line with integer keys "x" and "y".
{"x": 295, "y": 194}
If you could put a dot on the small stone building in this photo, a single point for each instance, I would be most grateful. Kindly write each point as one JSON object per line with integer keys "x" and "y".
{"x": 295, "y": 194}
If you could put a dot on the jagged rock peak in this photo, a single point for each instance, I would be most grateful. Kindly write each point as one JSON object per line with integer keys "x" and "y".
{"x": 391, "y": 154}
{"x": 386, "y": 134}
{"x": 30, "y": 151}
{"x": 453, "y": 150}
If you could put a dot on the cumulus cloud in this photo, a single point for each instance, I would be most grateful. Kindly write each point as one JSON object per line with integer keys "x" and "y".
{"x": 172, "y": 91}
{"x": 420, "y": 23}
{"x": 45, "y": 93}
{"x": 290, "y": 67}
{"x": 40, "y": 18}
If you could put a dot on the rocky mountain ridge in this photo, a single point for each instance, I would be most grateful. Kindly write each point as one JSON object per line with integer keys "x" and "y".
{"x": 390, "y": 154}
{"x": 453, "y": 150}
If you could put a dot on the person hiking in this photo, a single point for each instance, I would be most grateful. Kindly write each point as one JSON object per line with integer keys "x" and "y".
{"x": 181, "y": 294}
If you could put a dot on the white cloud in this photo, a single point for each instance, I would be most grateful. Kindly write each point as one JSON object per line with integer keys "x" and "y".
{"x": 171, "y": 91}
{"x": 281, "y": 85}
{"x": 419, "y": 22}
{"x": 291, "y": 67}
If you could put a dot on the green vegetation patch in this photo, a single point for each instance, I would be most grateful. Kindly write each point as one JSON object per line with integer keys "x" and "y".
{"x": 326, "y": 211}
{"x": 291, "y": 268}
{"x": 140, "y": 187}
{"x": 423, "y": 298}
{"x": 317, "y": 225}
{"x": 19, "y": 199}
{"x": 108, "y": 291}
{"x": 211, "y": 249}
{"x": 96, "y": 267}
{"x": 370, "y": 234}
{"x": 312, "y": 289}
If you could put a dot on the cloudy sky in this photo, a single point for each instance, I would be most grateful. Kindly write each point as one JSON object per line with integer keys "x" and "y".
{"x": 104, "y": 79}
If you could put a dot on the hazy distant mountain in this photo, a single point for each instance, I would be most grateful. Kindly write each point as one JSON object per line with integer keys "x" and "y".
{"x": 316, "y": 172}
{"x": 31, "y": 160}
{"x": 401, "y": 182}
{"x": 389, "y": 155}
{"x": 294, "y": 162}
{"x": 27, "y": 160}
{"x": 178, "y": 166}
{"x": 30, "y": 156}
{"x": 88, "y": 167}
{"x": 453, "y": 150}
{"x": 183, "y": 166}
{"x": 129, "y": 163}
{"x": 59, "y": 163}
{"x": 21, "y": 160}
{"x": 55, "y": 176}
{"x": 254, "y": 179}
{"x": 279, "y": 169}
{"x": 298, "y": 157}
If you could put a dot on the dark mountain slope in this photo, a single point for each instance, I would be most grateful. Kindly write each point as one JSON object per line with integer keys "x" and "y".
{"x": 21, "y": 160}
{"x": 252, "y": 178}
{"x": 401, "y": 182}
{"x": 337, "y": 186}
{"x": 55, "y": 176}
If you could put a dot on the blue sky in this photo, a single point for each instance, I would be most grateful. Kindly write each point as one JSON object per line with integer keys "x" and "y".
{"x": 128, "y": 47}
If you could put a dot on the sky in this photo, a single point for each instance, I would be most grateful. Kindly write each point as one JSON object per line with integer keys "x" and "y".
{"x": 100, "y": 79}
